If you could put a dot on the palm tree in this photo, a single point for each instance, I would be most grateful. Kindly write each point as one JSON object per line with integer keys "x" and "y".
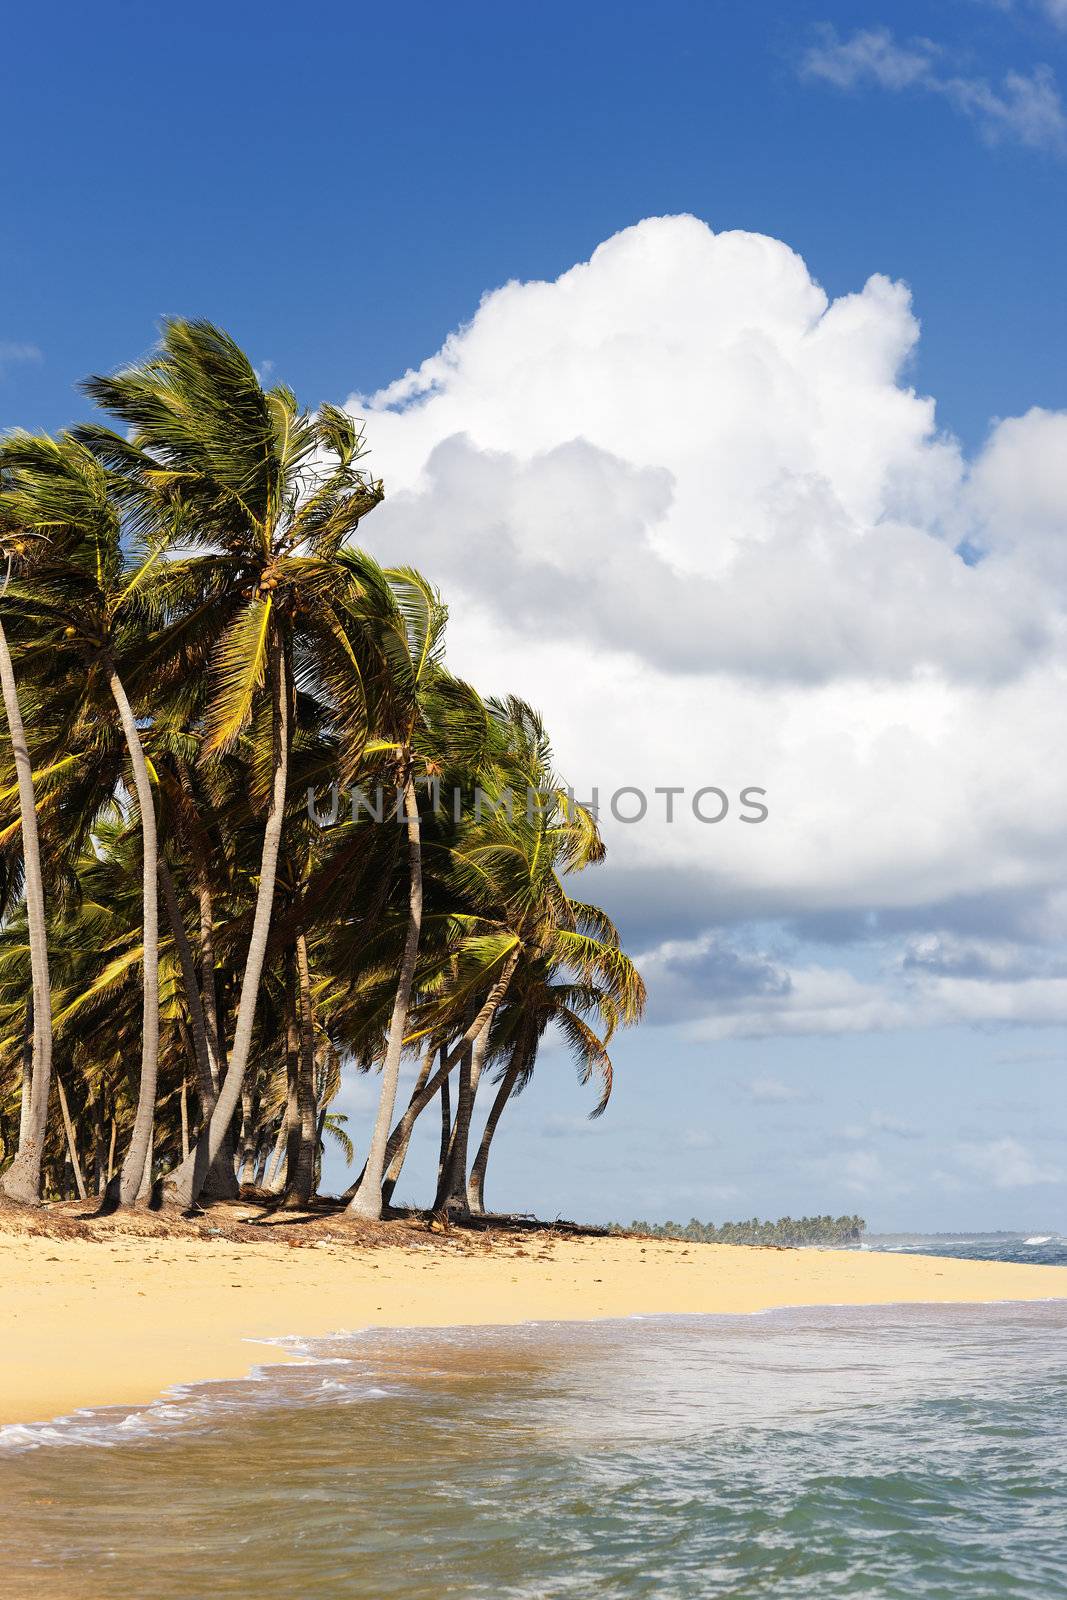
{"x": 87, "y": 602}
{"x": 428, "y": 720}
{"x": 199, "y": 648}
{"x": 95, "y": 949}
{"x": 583, "y": 984}
{"x": 22, "y": 1181}
{"x": 225, "y": 467}
{"x": 507, "y": 867}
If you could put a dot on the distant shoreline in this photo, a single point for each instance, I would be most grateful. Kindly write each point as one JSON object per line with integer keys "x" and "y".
{"x": 116, "y": 1313}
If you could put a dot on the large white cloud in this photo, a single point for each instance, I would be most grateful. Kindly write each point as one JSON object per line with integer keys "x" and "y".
{"x": 692, "y": 510}
{"x": 1019, "y": 492}
{"x": 685, "y": 421}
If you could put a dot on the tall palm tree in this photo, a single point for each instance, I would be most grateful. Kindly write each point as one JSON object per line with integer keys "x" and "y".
{"x": 87, "y": 602}
{"x": 22, "y": 1180}
{"x": 95, "y": 958}
{"x": 428, "y": 721}
{"x": 264, "y": 495}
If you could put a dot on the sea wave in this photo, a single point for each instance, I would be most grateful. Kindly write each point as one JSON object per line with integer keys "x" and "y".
{"x": 915, "y": 1451}
{"x": 1034, "y": 1249}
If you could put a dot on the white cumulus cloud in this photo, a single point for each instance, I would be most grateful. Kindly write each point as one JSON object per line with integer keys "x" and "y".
{"x": 694, "y": 510}
{"x": 1019, "y": 490}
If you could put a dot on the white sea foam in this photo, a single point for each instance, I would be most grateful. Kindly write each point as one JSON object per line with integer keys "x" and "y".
{"x": 209, "y": 1401}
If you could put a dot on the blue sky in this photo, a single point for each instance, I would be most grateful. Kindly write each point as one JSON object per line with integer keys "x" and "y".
{"x": 342, "y": 191}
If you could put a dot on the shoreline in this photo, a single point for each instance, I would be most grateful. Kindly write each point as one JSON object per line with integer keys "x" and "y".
{"x": 276, "y": 1355}
{"x": 111, "y": 1316}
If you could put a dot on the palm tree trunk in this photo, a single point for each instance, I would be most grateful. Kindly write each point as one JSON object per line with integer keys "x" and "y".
{"x": 99, "y": 1144}
{"x": 24, "y": 1096}
{"x": 292, "y": 1084}
{"x": 184, "y": 1109}
{"x": 27, "y": 1072}
{"x": 182, "y": 1188}
{"x": 300, "y": 1185}
{"x": 420, "y": 1098}
{"x": 246, "y": 1148}
{"x": 72, "y": 1147}
{"x": 22, "y": 1180}
{"x": 446, "y": 1131}
{"x": 367, "y": 1200}
{"x": 452, "y": 1189}
{"x": 221, "y": 1183}
{"x": 393, "y": 1170}
{"x": 144, "y": 1192}
{"x": 131, "y": 1177}
{"x": 476, "y": 1182}
{"x": 299, "y": 1068}
{"x": 195, "y": 843}
{"x": 272, "y": 1177}
{"x": 448, "y": 1138}
{"x": 193, "y": 999}
{"x": 262, "y": 1153}
{"x": 209, "y": 1000}
{"x": 419, "y": 1102}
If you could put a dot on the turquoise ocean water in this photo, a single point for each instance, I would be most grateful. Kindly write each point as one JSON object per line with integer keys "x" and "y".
{"x": 900, "y": 1451}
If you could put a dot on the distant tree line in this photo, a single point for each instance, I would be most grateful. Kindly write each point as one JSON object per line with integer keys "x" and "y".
{"x": 789, "y": 1231}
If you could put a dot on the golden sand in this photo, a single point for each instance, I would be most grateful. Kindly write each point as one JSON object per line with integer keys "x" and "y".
{"x": 116, "y": 1319}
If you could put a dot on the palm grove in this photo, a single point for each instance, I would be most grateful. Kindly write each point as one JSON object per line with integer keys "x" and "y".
{"x": 192, "y": 642}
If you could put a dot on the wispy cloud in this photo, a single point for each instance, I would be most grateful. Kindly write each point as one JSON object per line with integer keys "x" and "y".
{"x": 773, "y": 1092}
{"x": 699, "y": 1139}
{"x": 870, "y": 56}
{"x": 1006, "y": 1164}
{"x": 1023, "y": 106}
{"x": 558, "y": 1125}
{"x": 12, "y": 352}
{"x": 863, "y": 1171}
{"x": 880, "y": 1122}
{"x": 1054, "y": 10}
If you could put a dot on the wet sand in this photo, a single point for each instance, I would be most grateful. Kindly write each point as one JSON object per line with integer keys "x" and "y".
{"x": 117, "y": 1318}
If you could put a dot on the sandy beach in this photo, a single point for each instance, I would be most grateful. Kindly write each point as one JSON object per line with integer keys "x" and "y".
{"x": 116, "y": 1317}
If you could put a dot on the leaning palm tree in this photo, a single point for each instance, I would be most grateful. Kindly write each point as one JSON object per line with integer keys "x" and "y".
{"x": 507, "y": 868}
{"x": 427, "y": 721}
{"x": 22, "y": 1180}
{"x": 87, "y": 605}
{"x": 581, "y": 983}
{"x": 263, "y": 496}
